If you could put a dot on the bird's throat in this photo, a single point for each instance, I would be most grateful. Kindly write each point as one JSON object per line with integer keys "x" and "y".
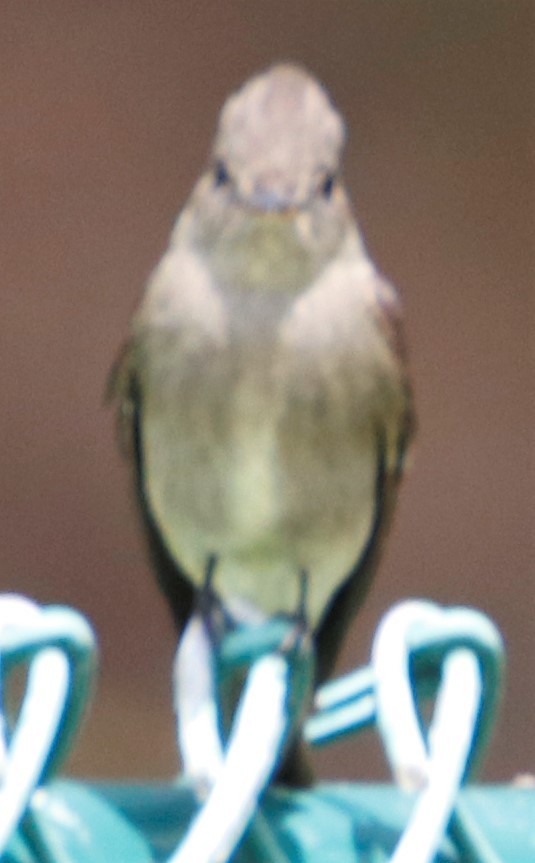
{"x": 267, "y": 252}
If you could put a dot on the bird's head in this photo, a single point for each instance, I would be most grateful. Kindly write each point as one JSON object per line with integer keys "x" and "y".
{"x": 279, "y": 142}
{"x": 271, "y": 206}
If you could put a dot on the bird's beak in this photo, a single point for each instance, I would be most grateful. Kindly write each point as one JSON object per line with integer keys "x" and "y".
{"x": 271, "y": 201}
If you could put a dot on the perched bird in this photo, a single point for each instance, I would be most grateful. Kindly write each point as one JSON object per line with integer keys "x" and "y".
{"x": 263, "y": 394}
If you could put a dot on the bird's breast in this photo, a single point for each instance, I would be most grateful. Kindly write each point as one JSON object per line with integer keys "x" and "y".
{"x": 259, "y": 449}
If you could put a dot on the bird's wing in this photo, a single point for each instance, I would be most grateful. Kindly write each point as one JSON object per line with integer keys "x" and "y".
{"x": 389, "y": 468}
{"x": 390, "y": 321}
{"x": 124, "y": 387}
{"x": 345, "y": 603}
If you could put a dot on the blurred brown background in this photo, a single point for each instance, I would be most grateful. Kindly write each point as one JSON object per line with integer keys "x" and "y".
{"x": 106, "y": 114}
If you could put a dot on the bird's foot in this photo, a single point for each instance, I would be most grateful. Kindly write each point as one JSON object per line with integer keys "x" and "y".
{"x": 209, "y": 606}
{"x": 298, "y": 637}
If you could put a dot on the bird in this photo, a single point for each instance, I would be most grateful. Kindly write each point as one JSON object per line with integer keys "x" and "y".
{"x": 262, "y": 394}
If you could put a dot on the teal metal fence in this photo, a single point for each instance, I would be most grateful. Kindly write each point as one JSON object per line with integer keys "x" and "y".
{"x": 224, "y": 806}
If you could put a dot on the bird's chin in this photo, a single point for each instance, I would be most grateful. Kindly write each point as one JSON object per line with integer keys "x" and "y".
{"x": 266, "y": 250}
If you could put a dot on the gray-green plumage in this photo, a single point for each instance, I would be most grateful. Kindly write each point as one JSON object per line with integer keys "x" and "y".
{"x": 263, "y": 391}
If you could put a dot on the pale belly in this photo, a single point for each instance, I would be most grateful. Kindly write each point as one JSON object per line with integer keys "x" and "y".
{"x": 267, "y": 496}
{"x": 260, "y": 444}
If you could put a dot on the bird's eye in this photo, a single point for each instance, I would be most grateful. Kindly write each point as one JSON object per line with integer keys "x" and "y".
{"x": 327, "y": 185}
{"x": 221, "y": 174}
